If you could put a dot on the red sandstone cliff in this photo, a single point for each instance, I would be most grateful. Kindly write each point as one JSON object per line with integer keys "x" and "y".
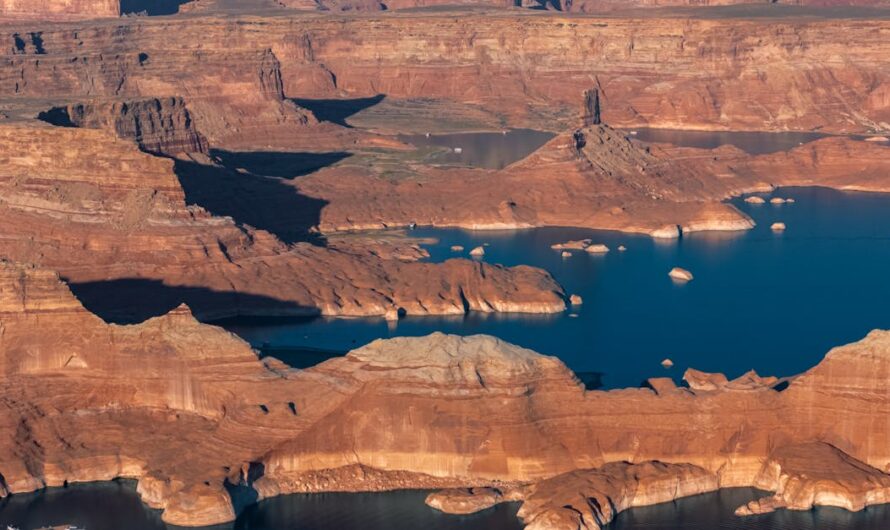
{"x": 594, "y": 177}
{"x": 49, "y": 9}
{"x": 759, "y": 73}
{"x": 185, "y": 407}
{"x": 114, "y": 220}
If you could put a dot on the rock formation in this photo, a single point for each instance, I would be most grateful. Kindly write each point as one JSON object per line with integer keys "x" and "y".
{"x": 681, "y": 274}
{"x": 156, "y": 125}
{"x": 186, "y": 408}
{"x": 61, "y": 9}
{"x": 113, "y": 221}
{"x": 702, "y": 72}
{"x": 607, "y": 180}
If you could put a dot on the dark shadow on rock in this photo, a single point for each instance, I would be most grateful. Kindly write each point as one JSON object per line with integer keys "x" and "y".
{"x": 56, "y": 116}
{"x": 337, "y": 110}
{"x": 133, "y": 300}
{"x": 277, "y": 164}
{"x": 151, "y": 7}
{"x": 262, "y": 202}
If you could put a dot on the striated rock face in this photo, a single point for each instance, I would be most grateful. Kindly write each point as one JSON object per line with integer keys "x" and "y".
{"x": 606, "y": 180}
{"x": 113, "y": 221}
{"x": 186, "y": 408}
{"x": 701, "y": 72}
{"x": 590, "y": 499}
{"x": 817, "y": 474}
{"x": 157, "y": 125}
{"x": 597, "y": 6}
{"x": 62, "y": 9}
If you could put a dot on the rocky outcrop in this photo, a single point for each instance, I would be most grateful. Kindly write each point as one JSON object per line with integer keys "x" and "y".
{"x": 590, "y": 499}
{"x": 817, "y": 474}
{"x": 606, "y": 180}
{"x": 161, "y": 126}
{"x": 113, "y": 221}
{"x": 60, "y": 9}
{"x": 599, "y": 6}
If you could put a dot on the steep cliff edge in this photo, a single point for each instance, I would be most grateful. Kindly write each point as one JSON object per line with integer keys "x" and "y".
{"x": 162, "y": 126}
{"x": 187, "y": 408}
{"x": 60, "y": 9}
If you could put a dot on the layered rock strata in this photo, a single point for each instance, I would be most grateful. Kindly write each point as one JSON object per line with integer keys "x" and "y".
{"x": 704, "y": 72}
{"x": 187, "y": 408}
{"x": 161, "y": 126}
{"x": 594, "y": 177}
{"x": 113, "y": 221}
{"x": 60, "y": 9}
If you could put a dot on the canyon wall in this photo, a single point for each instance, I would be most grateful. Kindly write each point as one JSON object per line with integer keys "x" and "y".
{"x": 161, "y": 126}
{"x": 725, "y": 72}
{"x": 187, "y": 409}
{"x": 49, "y": 9}
{"x": 595, "y": 177}
{"x": 113, "y": 220}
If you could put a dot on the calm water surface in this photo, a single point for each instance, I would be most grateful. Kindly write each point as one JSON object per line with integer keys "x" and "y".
{"x": 491, "y": 150}
{"x": 772, "y": 302}
{"x": 116, "y": 506}
{"x": 755, "y": 143}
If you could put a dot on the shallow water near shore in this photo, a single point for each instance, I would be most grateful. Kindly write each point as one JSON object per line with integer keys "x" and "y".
{"x": 115, "y": 505}
{"x": 774, "y": 302}
{"x": 489, "y": 150}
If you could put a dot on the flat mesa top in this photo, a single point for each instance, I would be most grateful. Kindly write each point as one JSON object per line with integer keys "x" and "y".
{"x": 251, "y": 10}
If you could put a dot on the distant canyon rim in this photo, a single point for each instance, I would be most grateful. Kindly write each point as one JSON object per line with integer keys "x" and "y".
{"x": 229, "y": 160}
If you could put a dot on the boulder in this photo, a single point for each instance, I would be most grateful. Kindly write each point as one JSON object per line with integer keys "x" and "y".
{"x": 680, "y": 274}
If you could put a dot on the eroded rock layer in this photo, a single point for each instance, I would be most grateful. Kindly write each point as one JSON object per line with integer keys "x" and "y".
{"x": 186, "y": 408}
{"x": 113, "y": 221}
{"x": 63, "y": 9}
{"x": 594, "y": 177}
{"x": 156, "y": 125}
{"x": 723, "y": 72}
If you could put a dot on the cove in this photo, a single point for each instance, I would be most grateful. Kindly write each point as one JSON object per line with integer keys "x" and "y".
{"x": 774, "y": 302}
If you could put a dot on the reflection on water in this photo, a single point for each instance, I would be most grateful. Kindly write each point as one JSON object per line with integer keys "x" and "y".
{"x": 762, "y": 300}
{"x": 756, "y": 143}
{"x": 491, "y": 150}
{"x": 115, "y": 506}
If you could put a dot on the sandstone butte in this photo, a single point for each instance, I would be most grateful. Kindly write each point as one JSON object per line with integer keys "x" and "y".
{"x": 186, "y": 408}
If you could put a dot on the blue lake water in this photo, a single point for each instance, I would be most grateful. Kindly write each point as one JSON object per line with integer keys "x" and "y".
{"x": 774, "y": 302}
{"x": 116, "y": 506}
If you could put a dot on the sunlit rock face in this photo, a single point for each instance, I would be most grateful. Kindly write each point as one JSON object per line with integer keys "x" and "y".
{"x": 186, "y": 407}
{"x": 60, "y": 9}
{"x": 113, "y": 221}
